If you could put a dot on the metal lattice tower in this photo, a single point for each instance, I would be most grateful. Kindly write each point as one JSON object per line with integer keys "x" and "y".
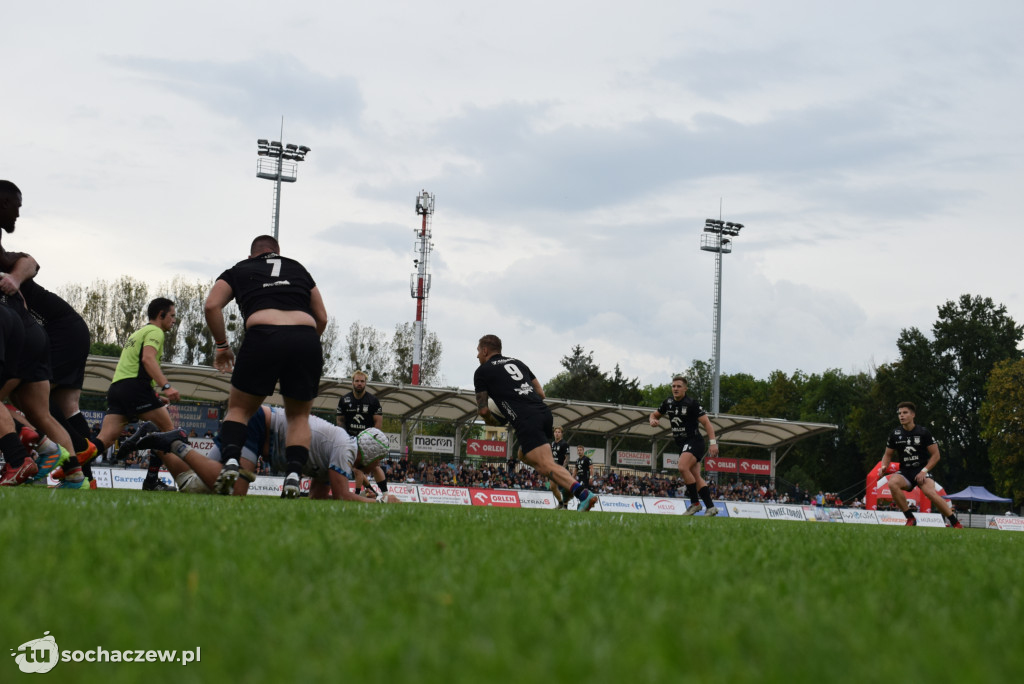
{"x": 419, "y": 284}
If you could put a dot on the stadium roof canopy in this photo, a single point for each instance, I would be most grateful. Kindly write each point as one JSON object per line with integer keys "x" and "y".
{"x": 412, "y": 403}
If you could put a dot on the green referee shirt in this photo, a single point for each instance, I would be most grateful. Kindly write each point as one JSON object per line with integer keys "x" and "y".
{"x": 130, "y": 363}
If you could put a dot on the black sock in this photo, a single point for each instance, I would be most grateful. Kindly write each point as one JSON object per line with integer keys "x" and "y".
{"x": 908, "y": 515}
{"x": 296, "y": 456}
{"x": 13, "y": 450}
{"x": 80, "y": 425}
{"x": 232, "y": 438}
{"x": 78, "y": 441}
{"x": 383, "y": 484}
{"x": 154, "y": 466}
{"x": 101, "y": 448}
{"x": 705, "y": 496}
{"x": 691, "y": 491}
{"x": 952, "y": 519}
{"x": 87, "y": 469}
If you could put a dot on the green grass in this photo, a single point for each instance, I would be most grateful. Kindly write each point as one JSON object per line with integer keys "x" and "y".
{"x": 276, "y": 590}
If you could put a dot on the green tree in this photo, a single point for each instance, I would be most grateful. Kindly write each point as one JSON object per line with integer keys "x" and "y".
{"x": 128, "y": 301}
{"x": 582, "y": 379}
{"x": 622, "y": 390}
{"x": 972, "y": 335}
{"x": 366, "y": 349}
{"x": 402, "y": 356}
{"x": 1002, "y": 421}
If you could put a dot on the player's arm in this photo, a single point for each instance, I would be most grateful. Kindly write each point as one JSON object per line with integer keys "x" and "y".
{"x": 482, "y": 410}
{"x": 886, "y": 459}
{"x": 378, "y": 421}
{"x": 340, "y": 490}
{"x": 538, "y": 388}
{"x": 655, "y": 417}
{"x": 933, "y": 460}
{"x": 152, "y": 366}
{"x": 316, "y": 303}
{"x": 219, "y": 296}
{"x": 25, "y": 268}
{"x": 318, "y": 490}
{"x": 710, "y": 430}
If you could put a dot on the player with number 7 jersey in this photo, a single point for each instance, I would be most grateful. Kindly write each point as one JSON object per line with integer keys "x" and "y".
{"x": 284, "y": 317}
{"x": 520, "y": 397}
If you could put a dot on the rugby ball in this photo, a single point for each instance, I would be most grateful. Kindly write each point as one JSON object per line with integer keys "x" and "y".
{"x": 373, "y": 445}
{"x": 496, "y": 412}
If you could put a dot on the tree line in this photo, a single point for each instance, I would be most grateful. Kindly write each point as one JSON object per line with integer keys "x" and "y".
{"x": 966, "y": 378}
{"x": 113, "y": 310}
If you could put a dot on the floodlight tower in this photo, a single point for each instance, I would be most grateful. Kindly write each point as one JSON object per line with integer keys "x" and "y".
{"x": 419, "y": 284}
{"x": 717, "y": 238}
{"x": 280, "y": 164}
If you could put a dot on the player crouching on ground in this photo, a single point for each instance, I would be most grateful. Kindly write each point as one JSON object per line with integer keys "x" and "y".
{"x": 334, "y": 457}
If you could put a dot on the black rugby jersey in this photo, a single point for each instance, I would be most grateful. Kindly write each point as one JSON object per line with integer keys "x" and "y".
{"x": 911, "y": 446}
{"x": 560, "y": 450}
{"x": 583, "y": 464}
{"x": 269, "y": 281}
{"x": 359, "y": 413}
{"x": 509, "y": 382}
{"x": 683, "y": 415}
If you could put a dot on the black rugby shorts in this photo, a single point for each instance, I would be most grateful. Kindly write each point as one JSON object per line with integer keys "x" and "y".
{"x": 290, "y": 354}
{"x": 533, "y": 427}
{"x": 131, "y": 398}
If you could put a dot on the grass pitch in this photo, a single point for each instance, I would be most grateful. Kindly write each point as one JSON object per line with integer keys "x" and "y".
{"x": 274, "y": 590}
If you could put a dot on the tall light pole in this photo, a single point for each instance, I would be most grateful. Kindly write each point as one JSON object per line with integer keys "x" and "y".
{"x": 717, "y": 238}
{"x": 420, "y": 285}
{"x": 279, "y": 163}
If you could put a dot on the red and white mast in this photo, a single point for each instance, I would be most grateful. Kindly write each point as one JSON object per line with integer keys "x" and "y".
{"x": 420, "y": 283}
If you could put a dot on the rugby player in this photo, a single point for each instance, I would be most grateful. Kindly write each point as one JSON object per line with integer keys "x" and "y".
{"x": 685, "y": 414}
{"x": 520, "y": 398}
{"x": 912, "y": 443}
{"x": 284, "y": 316}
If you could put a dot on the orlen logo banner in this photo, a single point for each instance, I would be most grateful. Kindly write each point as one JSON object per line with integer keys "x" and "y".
{"x": 750, "y": 466}
{"x": 494, "y": 497}
{"x": 486, "y": 448}
{"x": 720, "y": 465}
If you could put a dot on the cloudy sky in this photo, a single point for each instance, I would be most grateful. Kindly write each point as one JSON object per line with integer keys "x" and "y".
{"x": 873, "y": 150}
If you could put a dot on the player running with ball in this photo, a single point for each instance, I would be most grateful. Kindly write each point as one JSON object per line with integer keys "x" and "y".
{"x": 519, "y": 396}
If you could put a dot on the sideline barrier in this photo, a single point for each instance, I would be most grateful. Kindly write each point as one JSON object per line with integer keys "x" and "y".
{"x": 128, "y": 478}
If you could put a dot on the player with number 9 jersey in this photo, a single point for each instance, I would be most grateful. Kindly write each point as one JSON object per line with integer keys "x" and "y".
{"x": 512, "y": 386}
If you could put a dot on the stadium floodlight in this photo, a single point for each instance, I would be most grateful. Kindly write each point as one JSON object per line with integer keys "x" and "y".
{"x": 714, "y": 240}
{"x": 278, "y": 163}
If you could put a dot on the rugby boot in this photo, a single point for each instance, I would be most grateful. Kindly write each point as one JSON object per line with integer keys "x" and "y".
{"x": 12, "y": 477}
{"x": 133, "y": 443}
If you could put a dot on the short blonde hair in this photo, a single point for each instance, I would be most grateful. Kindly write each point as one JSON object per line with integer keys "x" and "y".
{"x": 363, "y": 373}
